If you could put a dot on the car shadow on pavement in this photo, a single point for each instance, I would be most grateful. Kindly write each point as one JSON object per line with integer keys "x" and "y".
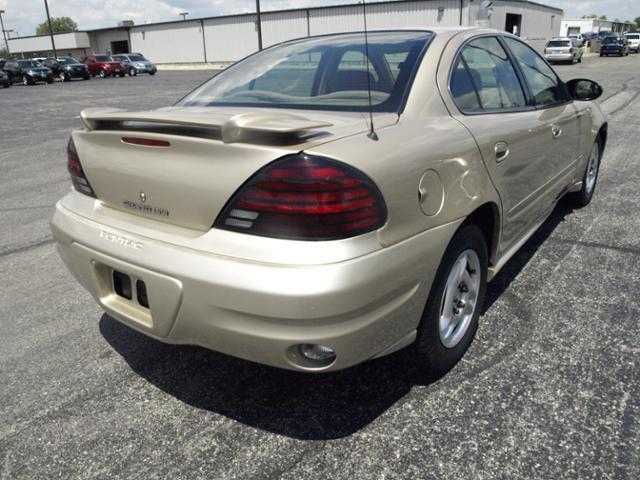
{"x": 514, "y": 266}
{"x": 298, "y": 405}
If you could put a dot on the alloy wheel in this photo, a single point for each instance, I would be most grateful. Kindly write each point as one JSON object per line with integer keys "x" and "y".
{"x": 460, "y": 298}
{"x": 592, "y": 168}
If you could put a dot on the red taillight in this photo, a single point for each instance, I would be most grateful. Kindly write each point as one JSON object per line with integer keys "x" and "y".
{"x": 303, "y": 197}
{"x": 78, "y": 178}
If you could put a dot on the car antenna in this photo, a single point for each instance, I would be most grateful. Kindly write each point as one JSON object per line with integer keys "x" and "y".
{"x": 372, "y": 132}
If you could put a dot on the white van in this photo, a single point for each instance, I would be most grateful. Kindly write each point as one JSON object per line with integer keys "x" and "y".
{"x": 634, "y": 41}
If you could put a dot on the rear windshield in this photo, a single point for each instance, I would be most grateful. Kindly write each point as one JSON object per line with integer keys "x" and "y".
{"x": 323, "y": 73}
{"x": 633, "y": 37}
{"x": 559, "y": 43}
{"x": 67, "y": 61}
{"x": 137, "y": 58}
{"x": 103, "y": 58}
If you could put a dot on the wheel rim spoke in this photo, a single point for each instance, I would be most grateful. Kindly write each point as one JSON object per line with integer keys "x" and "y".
{"x": 459, "y": 298}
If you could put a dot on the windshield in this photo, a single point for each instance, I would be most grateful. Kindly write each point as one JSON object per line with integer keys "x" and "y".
{"x": 322, "y": 73}
{"x": 137, "y": 58}
{"x": 28, "y": 63}
{"x": 67, "y": 61}
{"x": 610, "y": 40}
{"x": 633, "y": 37}
{"x": 559, "y": 43}
{"x": 103, "y": 58}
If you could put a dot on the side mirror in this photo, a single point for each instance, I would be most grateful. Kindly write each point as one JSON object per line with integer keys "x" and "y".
{"x": 584, "y": 90}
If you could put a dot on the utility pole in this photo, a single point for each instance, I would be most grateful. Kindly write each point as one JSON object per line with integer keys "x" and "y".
{"x": 184, "y": 15}
{"x": 259, "y": 25}
{"x": 4, "y": 33}
{"x": 53, "y": 42}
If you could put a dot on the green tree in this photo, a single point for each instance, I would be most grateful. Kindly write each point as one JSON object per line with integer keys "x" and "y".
{"x": 58, "y": 25}
{"x": 637, "y": 20}
{"x": 602, "y": 17}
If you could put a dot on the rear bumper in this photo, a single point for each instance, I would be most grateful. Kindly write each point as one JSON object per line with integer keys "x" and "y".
{"x": 76, "y": 74}
{"x": 146, "y": 69}
{"x": 40, "y": 78}
{"x": 362, "y": 308}
{"x": 559, "y": 57}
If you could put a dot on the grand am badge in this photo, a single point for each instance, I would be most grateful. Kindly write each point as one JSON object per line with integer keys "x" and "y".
{"x": 148, "y": 209}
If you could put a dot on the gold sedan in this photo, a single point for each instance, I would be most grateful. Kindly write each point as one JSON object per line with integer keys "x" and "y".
{"x": 331, "y": 199}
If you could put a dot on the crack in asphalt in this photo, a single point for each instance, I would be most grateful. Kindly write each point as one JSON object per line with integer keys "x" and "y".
{"x": 24, "y": 248}
{"x": 16, "y": 209}
{"x": 626, "y": 105}
{"x": 622, "y": 249}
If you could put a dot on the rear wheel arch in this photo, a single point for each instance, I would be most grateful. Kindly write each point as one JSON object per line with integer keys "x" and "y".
{"x": 602, "y": 135}
{"x": 487, "y": 218}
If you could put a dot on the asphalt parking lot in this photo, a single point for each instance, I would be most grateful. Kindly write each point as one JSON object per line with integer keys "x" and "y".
{"x": 549, "y": 389}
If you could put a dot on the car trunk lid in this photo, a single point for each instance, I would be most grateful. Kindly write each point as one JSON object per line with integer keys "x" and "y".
{"x": 181, "y": 165}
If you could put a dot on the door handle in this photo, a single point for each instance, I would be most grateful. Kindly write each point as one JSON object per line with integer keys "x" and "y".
{"x": 502, "y": 151}
{"x": 556, "y": 131}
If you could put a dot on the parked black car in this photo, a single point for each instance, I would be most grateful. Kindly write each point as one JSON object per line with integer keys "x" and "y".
{"x": 4, "y": 80}
{"x": 67, "y": 68}
{"x": 614, "y": 46}
{"x": 27, "y": 72}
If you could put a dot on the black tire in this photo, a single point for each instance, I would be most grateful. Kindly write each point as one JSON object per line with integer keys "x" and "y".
{"x": 49, "y": 80}
{"x": 583, "y": 197}
{"x": 431, "y": 357}
{"x": 121, "y": 75}
{"x": 580, "y": 60}
{"x": 152, "y": 73}
{"x": 87, "y": 77}
{"x": 7, "y": 85}
{"x": 133, "y": 72}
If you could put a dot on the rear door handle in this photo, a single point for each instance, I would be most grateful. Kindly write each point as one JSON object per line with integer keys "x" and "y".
{"x": 556, "y": 131}
{"x": 502, "y": 151}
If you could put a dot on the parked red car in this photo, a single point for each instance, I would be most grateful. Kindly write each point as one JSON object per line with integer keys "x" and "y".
{"x": 104, "y": 66}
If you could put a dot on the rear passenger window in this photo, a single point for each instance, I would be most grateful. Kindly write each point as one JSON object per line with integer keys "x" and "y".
{"x": 543, "y": 82}
{"x": 462, "y": 89}
{"x": 493, "y": 75}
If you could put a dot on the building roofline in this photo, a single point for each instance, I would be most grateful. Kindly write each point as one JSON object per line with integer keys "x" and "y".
{"x": 264, "y": 12}
{"x": 596, "y": 19}
{"x": 537, "y": 4}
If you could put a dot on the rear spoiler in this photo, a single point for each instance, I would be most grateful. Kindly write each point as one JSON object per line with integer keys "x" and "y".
{"x": 243, "y": 127}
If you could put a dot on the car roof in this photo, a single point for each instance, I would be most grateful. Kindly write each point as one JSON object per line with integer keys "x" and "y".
{"x": 449, "y": 32}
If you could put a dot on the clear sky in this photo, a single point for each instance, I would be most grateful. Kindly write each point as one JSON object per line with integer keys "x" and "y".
{"x": 22, "y": 16}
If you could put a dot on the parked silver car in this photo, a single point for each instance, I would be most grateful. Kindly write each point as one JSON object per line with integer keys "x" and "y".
{"x": 135, "y": 63}
{"x": 564, "y": 49}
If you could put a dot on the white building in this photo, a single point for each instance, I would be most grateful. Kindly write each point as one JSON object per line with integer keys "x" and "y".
{"x": 231, "y": 37}
{"x": 587, "y": 25}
